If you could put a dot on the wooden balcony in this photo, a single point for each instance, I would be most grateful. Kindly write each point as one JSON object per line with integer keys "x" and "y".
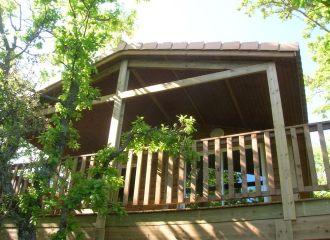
{"x": 236, "y": 167}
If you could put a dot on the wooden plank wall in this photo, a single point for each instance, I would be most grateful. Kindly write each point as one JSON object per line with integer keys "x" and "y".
{"x": 248, "y": 222}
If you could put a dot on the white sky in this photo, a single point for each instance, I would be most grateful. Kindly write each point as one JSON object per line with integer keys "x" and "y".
{"x": 216, "y": 20}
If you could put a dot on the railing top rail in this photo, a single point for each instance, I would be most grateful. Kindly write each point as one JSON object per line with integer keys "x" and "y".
{"x": 327, "y": 123}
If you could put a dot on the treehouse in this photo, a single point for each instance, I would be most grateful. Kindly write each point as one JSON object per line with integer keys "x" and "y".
{"x": 256, "y": 172}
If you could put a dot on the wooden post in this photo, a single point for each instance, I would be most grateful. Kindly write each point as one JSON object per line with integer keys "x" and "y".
{"x": 114, "y": 134}
{"x": 281, "y": 144}
{"x": 283, "y": 230}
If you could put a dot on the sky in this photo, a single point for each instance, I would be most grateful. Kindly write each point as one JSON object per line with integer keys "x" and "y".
{"x": 217, "y": 20}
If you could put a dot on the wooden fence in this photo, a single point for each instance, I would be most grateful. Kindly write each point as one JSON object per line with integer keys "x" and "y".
{"x": 242, "y": 166}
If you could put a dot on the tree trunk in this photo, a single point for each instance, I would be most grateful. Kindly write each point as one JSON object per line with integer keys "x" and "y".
{"x": 26, "y": 231}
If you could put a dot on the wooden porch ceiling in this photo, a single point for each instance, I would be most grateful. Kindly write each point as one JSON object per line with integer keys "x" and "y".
{"x": 240, "y": 102}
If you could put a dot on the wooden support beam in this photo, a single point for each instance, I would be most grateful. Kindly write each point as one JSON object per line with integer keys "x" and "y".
{"x": 281, "y": 144}
{"x": 233, "y": 98}
{"x": 119, "y": 106}
{"x": 114, "y": 135}
{"x": 189, "y": 82}
{"x": 188, "y": 65}
{"x": 152, "y": 96}
{"x": 105, "y": 73}
{"x": 283, "y": 230}
{"x": 178, "y": 84}
{"x": 190, "y": 99}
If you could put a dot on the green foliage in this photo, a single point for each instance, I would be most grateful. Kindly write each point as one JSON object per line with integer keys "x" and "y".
{"x": 174, "y": 140}
{"x": 77, "y": 30}
{"x": 321, "y": 176}
{"x": 316, "y": 15}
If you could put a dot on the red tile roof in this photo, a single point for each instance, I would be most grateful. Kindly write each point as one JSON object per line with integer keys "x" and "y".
{"x": 242, "y": 46}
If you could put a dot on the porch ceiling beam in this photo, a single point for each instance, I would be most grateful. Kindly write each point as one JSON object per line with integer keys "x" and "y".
{"x": 179, "y": 84}
{"x": 176, "y": 65}
{"x": 233, "y": 98}
{"x": 95, "y": 77}
{"x": 190, "y": 81}
{"x": 190, "y": 100}
{"x": 152, "y": 96}
{"x": 105, "y": 72}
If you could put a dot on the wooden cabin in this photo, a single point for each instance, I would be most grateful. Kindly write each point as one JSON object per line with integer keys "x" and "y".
{"x": 256, "y": 172}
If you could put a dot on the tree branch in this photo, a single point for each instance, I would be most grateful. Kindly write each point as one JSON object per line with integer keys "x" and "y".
{"x": 2, "y": 31}
{"x": 312, "y": 20}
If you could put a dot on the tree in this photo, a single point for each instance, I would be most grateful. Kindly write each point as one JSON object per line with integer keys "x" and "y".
{"x": 316, "y": 15}
{"x": 79, "y": 30}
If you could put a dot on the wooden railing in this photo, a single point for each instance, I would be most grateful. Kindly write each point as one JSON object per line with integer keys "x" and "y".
{"x": 234, "y": 167}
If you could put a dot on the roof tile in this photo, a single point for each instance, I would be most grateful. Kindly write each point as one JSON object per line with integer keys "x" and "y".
{"x": 212, "y": 46}
{"x": 249, "y": 46}
{"x": 293, "y": 46}
{"x": 164, "y": 45}
{"x": 149, "y": 46}
{"x": 121, "y": 46}
{"x": 135, "y": 46}
{"x": 271, "y": 46}
{"x": 179, "y": 46}
{"x": 196, "y": 46}
{"x": 230, "y": 46}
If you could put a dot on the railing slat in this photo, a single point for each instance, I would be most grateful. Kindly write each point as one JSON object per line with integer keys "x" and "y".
{"x": 55, "y": 183}
{"x": 310, "y": 156}
{"x": 193, "y": 180}
{"x": 269, "y": 162}
{"x": 127, "y": 178}
{"x": 243, "y": 165}
{"x": 218, "y": 168}
{"x": 83, "y": 164}
{"x": 181, "y": 180}
{"x": 137, "y": 179}
{"x": 324, "y": 152}
{"x": 159, "y": 177}
{"x": 20, "y": 178}
{"x": 14, "y": 175}
{"x": 205, "y": 170}
{"x": 91, "y": 165}
{"x": 148, "y": 179}
{"x": 296, "y": 157}
{"x": 230, "y": 167}
{"x": 256, "y": 163}
{"x": 65, "y": 174}
{"x": 73, "y": 170}
{"x": 169, "y": 180}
